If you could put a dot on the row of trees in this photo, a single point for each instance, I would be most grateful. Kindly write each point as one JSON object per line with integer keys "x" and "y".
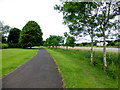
{"x": 29, "y": 36}
{"x": 96, "y": 19}
{"x": 55, "y": 41}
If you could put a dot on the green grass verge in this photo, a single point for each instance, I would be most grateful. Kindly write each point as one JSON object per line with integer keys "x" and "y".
{"x": 14, "y": 57}
{"x": 78, "y": 72}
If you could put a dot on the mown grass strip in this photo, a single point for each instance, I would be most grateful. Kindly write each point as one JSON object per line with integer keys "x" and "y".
{"x": 14, "y": 57}
{"x": 77, "y": 71}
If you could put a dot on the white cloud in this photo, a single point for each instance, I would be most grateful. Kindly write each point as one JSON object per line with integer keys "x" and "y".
{"x": 17, "y": 13}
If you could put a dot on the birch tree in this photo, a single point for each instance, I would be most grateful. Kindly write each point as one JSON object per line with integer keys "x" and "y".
{"x": 106, "y": 20}
{"x": 66, "y": 36}
{"x": 80, "y": 18}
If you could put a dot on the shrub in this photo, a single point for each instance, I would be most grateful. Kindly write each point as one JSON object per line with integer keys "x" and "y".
{"x": 14, "y": 45}
{"x": 4, "y": 46}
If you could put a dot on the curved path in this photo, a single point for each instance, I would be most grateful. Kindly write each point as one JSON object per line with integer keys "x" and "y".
{"x": 40, "y": 72}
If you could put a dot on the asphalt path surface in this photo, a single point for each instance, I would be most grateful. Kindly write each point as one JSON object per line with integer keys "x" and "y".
{"x": 40, "y": 72}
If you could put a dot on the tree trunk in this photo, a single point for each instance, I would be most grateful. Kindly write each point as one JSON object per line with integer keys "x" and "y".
{"x": 105, "y": 25}
{"x": 66, "y": 47}
{"x": 91, "y": 49}
{"x": 53, "y": 46}
{"x": 104, "y": 50}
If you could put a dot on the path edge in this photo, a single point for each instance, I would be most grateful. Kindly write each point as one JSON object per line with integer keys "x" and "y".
{"x": 18, "y": 67}
{"x": 63, "y": 83}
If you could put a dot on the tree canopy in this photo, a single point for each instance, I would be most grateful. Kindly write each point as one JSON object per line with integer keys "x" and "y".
{"x": 14, "y": 35}
{"x": 90, "y": 18}
{"x": 54, "y": 40}
{"x": 70, "y": 41}
{"x": 31, "y": 35}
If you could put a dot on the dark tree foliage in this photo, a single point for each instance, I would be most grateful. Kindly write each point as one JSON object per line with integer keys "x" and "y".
{"x": 4, "y": 39}
{"x": 14, "y": 35}
{"x": 31, "y": 35}
{"x": 13, "y": 38}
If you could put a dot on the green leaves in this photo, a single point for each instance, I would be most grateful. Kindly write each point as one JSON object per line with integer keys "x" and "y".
{"x": 54, "y": 40}
{"x": 70, "y": 41}
{"x": 78, "y": 16}
{"x": 31, "y": 35}
{"x": 14, "y": 35}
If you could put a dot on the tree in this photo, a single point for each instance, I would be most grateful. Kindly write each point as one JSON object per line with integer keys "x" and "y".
{"x": 109, "y": 10}
{"x": 4, "y": 39}
{"x": 66, "y": 36}
{"x": 14, "y": 35}
{"x": 47, "y": 42}
{"x": 61, "y": 40}
{"x": 70, "y": 41}
{"x": 54, "y": 40}
{"x": 80, "y": 18}
{"x": 31, "y": 35}
{"x": 89, "y": 18}
{"x": 4, "y": 29}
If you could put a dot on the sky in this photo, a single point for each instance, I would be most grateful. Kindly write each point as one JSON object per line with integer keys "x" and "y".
{"x": 16, "y": 13}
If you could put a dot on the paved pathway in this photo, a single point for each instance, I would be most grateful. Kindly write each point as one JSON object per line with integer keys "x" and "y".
{"x": 40, "y": 72}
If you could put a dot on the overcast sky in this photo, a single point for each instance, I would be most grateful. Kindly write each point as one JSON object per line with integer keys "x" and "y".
{"x": 16, "y": 13}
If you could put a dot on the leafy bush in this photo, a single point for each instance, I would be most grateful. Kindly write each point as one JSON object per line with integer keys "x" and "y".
{"x": 4, "y": 46}
{"x": 14, "y": 45}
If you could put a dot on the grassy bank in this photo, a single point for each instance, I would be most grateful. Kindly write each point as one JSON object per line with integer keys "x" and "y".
{"x": 14, "y": 57}
{"x": 79, "y": 73}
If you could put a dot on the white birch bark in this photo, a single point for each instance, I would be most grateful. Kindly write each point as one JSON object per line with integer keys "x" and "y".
{"x": 104, "y": 50}
{"x": 92, "y": 48}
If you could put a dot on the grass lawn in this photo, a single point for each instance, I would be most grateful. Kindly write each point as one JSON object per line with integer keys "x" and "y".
{"x": 77, "y": 71}
{"x": 14, "y": 57}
